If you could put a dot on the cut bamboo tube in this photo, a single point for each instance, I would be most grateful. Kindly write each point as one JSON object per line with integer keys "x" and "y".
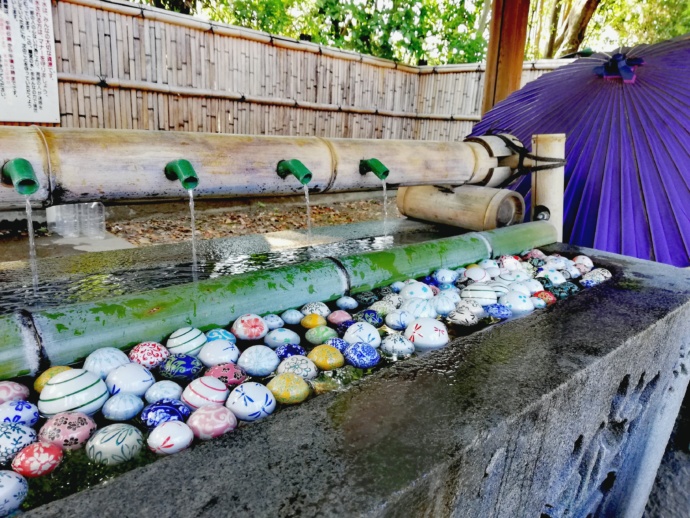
{"x": 548, "y": 185}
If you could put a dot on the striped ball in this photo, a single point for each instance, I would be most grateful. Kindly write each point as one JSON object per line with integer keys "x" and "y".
{"x": 186, "y": 340}
{"x": 73, "y": 390}
{"x": 481, "y": 293}
{"x": 203, "y": 391}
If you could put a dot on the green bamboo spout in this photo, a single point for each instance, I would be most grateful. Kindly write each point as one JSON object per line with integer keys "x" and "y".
{"x": 375, "y": 166}
{"x": 183, "y": 171}
{"x": 19, "y": 173}
{"x": 295, "y": 168}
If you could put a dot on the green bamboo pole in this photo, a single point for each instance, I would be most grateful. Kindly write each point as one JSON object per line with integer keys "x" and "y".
{"x": 17, "y": 358}
{"x": 515, "y": 239}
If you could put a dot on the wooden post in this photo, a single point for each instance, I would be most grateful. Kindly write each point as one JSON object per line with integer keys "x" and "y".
{"x": 506, "y": 51}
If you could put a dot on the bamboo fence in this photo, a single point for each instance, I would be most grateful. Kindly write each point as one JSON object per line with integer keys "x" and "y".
{"x": 126, "y": 66}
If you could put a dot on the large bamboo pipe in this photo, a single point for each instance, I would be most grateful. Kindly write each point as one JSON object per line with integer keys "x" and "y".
{"x": 67, "y": 334}
{"x": 75, "y": 165}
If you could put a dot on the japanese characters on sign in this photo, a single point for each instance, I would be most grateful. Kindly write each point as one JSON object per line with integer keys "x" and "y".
{"x": 28, "y": 75}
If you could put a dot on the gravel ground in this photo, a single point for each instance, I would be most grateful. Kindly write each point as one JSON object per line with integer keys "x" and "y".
{"x": 256, "y": 219}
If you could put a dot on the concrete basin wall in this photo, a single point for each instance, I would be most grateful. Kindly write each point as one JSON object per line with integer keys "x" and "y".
{"x": 565, "y": 412}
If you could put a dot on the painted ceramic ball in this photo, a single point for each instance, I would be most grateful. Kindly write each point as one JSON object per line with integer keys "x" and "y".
{"x": 251, "y": 401}
{"x": 369, "y": 316}
{"x": 281, "y": 336}
{"x": 115, "y": 444}
{"x": 47, "y": 375}
{"x": 73, "y": 390}
{"x": 382, "y": 307}
{"x": 13, "y": 491}
{"x": 552, "y": 275}
{"x": 363, "y": 332}
{"x": 396, "y": 347}
{"x": 547, "y": 297}
{"x": 326, "y": 357}
{"x": 419, "y": 307}
{"x": 318, "y": 308}
{"x": 394, "y": 299}
{"x": 258, "y": 360}
{"x": 217, "y": 352}
{"x": 397, "y": 286}
{"x": 399, "y": 319}
{"x": 518, "y": 302}
{"x": 170, "y": 437}
{"x": 500, "y": 287}
{"x": 161, "y": 390}
{"x": 273, "y": 321}
{"x": 538, "y": 303}
{"x": 546, "y": 284}
{"x": 211, "y": 421}
{"x": 417, "y": 290}
{"x": 338, "y": 317}
{"x": 292, "y": 317}
{"x": 220, "y": 334}
{"x": 482, "y": 294}
{"x": 249, "y": 327}
{"x": 344, "y": 326}
{"x": 427, "y": 334}
{"x": 289, "y": 388}
{"x": 509, "y": 262}
{"x": 534, "y": 253}
{"x": 287, "y": 350}
{"x": 68, "y": 430}
{"x": 21, "y": 412}
{"x": 429, "y": 280}
{"x": 472, "y": 275}
{"x": 181, "y": 367}
{"x": 338, "y": 343}
{"x": 529, "y": 269}
{"x": 366, "y": 298}
{"x": 532, "y": 285}
{"x": 588, "y": 283}
{"x": 443, "y": 305}
{"x": 473, "y": 306}
{"x": 228, "y": 373}
{"x": 463, "y": 316}
{"x": 130, "y": 379}
{"x": 102, "y": 361}
{"x": 583, "y": 261}
{"x": 14, "y": 437}
{"x": 149, "y": 354}
{"x": 488, "y": 263}
{"x": 37, "y": 459}
{"x": 383, "y": 291}
{"x": 346, "y": 303}
{"x": 186, "y": 340}
{"x": 445, "y": 276}
{"x": 318, "y": 335}
{"x": 300, "y": 365}
{"x": 207, "y": 390}
{"x": 598, "y": 275}
{"x": 312, "y": 320}
{"x": 122, "y": 407}
{"x": 499, "y": 311}
{"x": 536, "y": 262}
{"x": 556, "y": 261}
{"x": 362, "y": 355}
{"x": 162, "y": 411}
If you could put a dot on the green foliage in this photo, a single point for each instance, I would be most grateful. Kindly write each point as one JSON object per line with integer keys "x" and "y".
{"x": 409, "y": 31}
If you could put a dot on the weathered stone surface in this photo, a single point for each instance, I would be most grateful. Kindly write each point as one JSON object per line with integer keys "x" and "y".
{"x": 564, "y": 412}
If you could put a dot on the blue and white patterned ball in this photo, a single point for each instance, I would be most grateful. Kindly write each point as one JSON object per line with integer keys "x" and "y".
{"x": 162, "y": 390}
{"x": 397, "y": 286}
{"x": 13, "y": 437}
{"x": 251, "y": 401}
{"x": 281, "y": 336}
{"x": 445, "y": 276}
{"x": 122, "y": 407}
{"x": 399, "y": 319}
{"x": 396, "y": 347}
{"x": 220, "y": 334}
{"x": 258, "y": 360}
{"x": 103, "y": 360}
{"x": 498, "y": 311}
{"x": 274, "y": 321}
{"x": 20, "y": 412}
{"x": 181, "y": 367}
{"x": 346, "y": 303}
{"x": 13, "y": 491}
{"x": 362, "y": 355}
{"x": 338, "y": 343}
{"x": 287, "y": 350}
{"x": 163, "y": 411}
{"x": 292, "y": 317}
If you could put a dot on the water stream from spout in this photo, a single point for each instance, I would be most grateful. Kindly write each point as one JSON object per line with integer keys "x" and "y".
{"x": 385, "y": 208}
{"x": 306, "y": 201}
{"x": 193, "y": 216}
{"x": 32, "y": 245}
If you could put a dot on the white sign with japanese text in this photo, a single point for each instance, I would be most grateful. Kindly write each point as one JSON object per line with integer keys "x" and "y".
{"x": 28, "y": 77}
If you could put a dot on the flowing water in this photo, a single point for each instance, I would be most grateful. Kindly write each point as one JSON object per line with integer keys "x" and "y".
{"x": 306, "y": 201}
{"x": 193, "y": 216}
{"x": 32, "y": 246}
{"x": 385, "y": 208}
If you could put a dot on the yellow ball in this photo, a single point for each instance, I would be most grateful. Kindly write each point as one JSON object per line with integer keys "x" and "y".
{"x": 313, "y": 320}
{"x": 45, "y": 377}
{"x": 470, "y": 266}
{"x": 288, "y": 388}
{"x": 326, "y": 357}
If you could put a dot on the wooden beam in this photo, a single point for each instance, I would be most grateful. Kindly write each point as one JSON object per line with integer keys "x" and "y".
{"x": 506, "y": 51}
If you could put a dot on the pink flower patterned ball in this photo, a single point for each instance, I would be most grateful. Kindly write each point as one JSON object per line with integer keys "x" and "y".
{"x": 211, "y": 421}
{"x": 37, "y": 459}
{"x": 11, "y": 391}
{"x": 149, "y": 354}
{"x": 228, "y": 373}
{"x": 249, "y": 327}
{"x": 67, "y": 430}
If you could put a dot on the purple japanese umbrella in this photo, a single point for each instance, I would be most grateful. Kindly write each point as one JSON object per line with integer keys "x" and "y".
{"x": 627, "y": 120}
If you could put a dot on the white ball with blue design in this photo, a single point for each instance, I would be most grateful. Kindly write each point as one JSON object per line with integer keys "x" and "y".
{"x": 102, "y": 361}
{"x": 122, "y": 407}
{"x": 13, "y": 491}
{"x": 130, "y": 379}
{"x": 259, "y": 360}
{"x": 282, "y": 336}
{"x": 273, "y": 321}
{"x": 399, "y": 319}
{"x": 220, "y": 334}
{"x": 292, "y": 317}
{"x": 363, "y": 332}
{"x": 216, "y": 352}
{"x": 346, "y": 303}
{"x": 517, "y": 302}
{"x": 165, "y": 389}
{"x": 251, "y": 401}
{"x": 20, "y": 412}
